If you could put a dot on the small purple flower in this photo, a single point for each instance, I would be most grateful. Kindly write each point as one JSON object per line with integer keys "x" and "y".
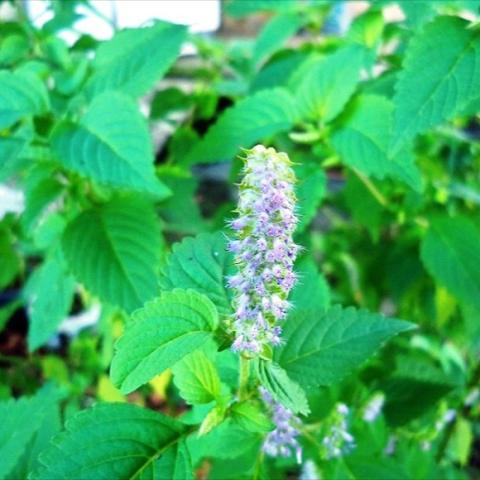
{"x": 264, "y": 249}
{"x": 282, "y": 441}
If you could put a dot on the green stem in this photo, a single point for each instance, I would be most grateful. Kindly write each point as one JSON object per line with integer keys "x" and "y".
{"x": 371, "y": 188}
{"x": 243, "y": 378}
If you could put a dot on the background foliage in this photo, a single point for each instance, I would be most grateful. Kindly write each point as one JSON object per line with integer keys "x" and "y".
{"x": 382, "y": 124}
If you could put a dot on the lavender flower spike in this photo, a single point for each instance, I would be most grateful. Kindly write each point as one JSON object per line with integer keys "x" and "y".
{"x": 264, "y": 250}
{"x": 282, "y": 441}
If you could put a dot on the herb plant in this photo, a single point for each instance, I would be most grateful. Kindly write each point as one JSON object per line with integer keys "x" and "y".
{"x": 261, "y": 262}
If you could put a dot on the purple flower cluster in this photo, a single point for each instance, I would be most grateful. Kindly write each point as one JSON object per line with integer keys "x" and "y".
{"x": 282, "y": 441}
{"x": 339, "y": 441}
{"x": 264, "y": 250}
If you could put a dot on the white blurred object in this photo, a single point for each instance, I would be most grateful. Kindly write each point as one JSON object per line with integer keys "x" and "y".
{"x": 202, "y": 16}
{"x": 73, "y": 324}
{"x": 11, "y": 200}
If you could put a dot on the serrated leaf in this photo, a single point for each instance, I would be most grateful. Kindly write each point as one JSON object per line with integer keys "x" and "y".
{"x": 426, "y": 97}
{"x": 323, "y": 85}
{"x": 21, "y": 94}
{"x": 135, "y": 59}
{"x": 274, "y": 34}
{"x": 11, "y": 150}
{"x": 114, "y": 250}
{"x": 111, "y": 145}
{"x": 320, "y": 348}
{"x": 363, "y": 137}
{"x": 284, "y": 390}
{"x": 50, "y": 426}
{"x": 197, "y": 378}
{"x": 451, "y": 253}
{"x": 160, "y": 334}
{"x": 249, "y": 415}
{"x": 115, "y": 440}
{"x": 201, "y": 263}
{"x": 252, "y": 119}
{"x": 49, "y": 294}
{"x": 21, "y": 419}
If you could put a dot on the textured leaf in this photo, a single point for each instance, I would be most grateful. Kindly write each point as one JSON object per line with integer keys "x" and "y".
{"x": 282, "y": 388}
{"x": 250, "y": 416}
{"x": 363, "y": 140}
{"x": 197, "y": 378}
{"x": 49, "y": 293}
{"x": 201, "y": 263}
{"x": 114, "y": 250}
{"x": 49, "y": 427}
{"x": 323, "y": 85}
{"x": 114, "y": 440}
{"x": 274, "y": 34}
{"x": 21, "y": 419}
{"x": 110, "y": 144}
{"x": 135, "y": 59}
{"x": 252, "y": 119}
{"x": 21, "y": 94}
{"x": 310, "y": 191}
{"x": 160, "y": 334}
{"x": 174, "y": 464}
{"x": 426, "y": 97}
{"x": 228, "y": 440}
{"x": 451, "y": 253}
{"x": 322, "y": 347}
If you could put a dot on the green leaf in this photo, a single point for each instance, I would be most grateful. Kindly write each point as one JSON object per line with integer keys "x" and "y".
{"x": 49, "y": 293}
{"x": 21, "y": 94}
{"x": 214, "y": 418}
{"x": 21, "y": 419}
{"x": 201, "y": 263}
{"x": 114, "y": 440}
{"x": 364, "y": 207}
{"x": 310, "y": 191}
{"x": 425, "y": 97}
{"x": 114, "y": 250}
{"x": 110, "y": 144}
{"x": 274, "y": 34}
{"x": 252, "y": 119}
{"x": 451, "y": 253}
{"x": 323, "y": 85}
{"x": 174, "y": 464}
{"x": 40, "y": 441}
{"x": 249, "y": 415}
{"x": 413, "y": 389}
{"x": 311, "y": 290}
{"x": 322, "y": 347}
{"x": 135, "y": 59}
{"x": 284, "y": 390}
{"x": 228, "y": 440}
{"x": 160, "y": 334}
{"x": 197, "y": 378}
{"x": 362, "y": 141}
{"x": 10, "y": 262}
{"x": 11, "y": 150}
